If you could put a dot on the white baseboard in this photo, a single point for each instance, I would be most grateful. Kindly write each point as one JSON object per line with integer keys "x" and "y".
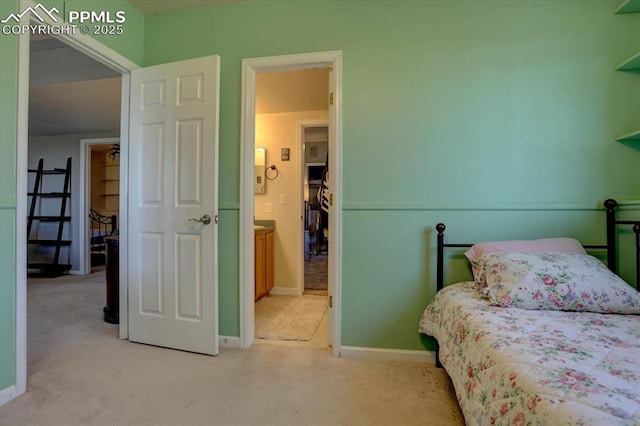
{"x": 285, "y": 291}
{"x": 388, "y": 354}
{"x": 75, "y": 272}
{"x": 8, "y": 394}
{"x": 229, "y": 342}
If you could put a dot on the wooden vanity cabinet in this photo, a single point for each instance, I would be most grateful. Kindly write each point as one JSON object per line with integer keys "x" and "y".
{"x": 264, "y": 263}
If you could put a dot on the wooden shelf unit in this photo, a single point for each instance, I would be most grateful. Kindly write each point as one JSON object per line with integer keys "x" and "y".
{"x": 105, "y": 188}
{"x": 52, "y": 267}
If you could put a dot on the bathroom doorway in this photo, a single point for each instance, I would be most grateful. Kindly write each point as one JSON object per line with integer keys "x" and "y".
{"x": 289, "y": 162}
{"x": 251, "y": 70}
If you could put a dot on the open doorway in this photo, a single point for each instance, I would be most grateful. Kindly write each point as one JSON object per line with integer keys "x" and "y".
{"x": 288, "y": 162}
{"x": 315, "y": 142}
{"x": 71, "y": 98}
{"x": 284, "y": 310}
{"x": 99, "y": 199}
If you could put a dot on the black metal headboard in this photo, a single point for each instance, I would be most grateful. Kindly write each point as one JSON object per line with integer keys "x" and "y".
{"x": 611, "y": 245}
{"x": 101, "y": 227}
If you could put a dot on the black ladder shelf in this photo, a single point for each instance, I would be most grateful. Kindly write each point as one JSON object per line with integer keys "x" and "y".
{"x": 53, "y": 268}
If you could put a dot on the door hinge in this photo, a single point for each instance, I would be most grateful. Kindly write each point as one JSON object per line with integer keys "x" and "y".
{"x": 331, "y": 198}
{"x": 331, "y": 98}
{"x": 331, "y": 301}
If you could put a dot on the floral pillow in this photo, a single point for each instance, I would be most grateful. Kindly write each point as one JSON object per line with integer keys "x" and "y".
{"x": 545, "y": 245}
{"x": 556, "y": 281}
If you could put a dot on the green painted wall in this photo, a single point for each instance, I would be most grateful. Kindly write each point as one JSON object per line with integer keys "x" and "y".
{"x": 450, "y": 109}
{"x": 130, "y": 45}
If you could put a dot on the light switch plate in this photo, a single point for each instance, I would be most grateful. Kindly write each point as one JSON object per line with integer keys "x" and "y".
{"x": 284, "y": 154}
{"x": 283, "y": 199}
{"x": 269, "y": 207}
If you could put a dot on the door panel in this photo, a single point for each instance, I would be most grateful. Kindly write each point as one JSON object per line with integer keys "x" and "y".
{"x": 150, "y": 278}
{"x": 189, "y": 173}
{"x": 173, "y": 184}
{"x": 189, "y": 289}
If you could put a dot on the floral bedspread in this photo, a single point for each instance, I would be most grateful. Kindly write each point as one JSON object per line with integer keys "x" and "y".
{"x": 512, "y": 366}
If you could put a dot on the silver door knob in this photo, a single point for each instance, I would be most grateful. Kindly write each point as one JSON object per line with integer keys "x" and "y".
{"x": 206, "y": 219}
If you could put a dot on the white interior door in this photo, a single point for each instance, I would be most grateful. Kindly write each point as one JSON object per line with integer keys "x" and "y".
{"x": 173, "y": 171}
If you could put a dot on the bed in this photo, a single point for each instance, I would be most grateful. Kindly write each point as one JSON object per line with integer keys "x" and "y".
{"x": 537, "y": 339}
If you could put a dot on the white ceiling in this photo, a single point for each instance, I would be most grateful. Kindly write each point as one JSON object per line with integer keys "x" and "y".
{"x": 70, "y": 92}
{"x": 151, "y": 7}
{"x": 78, "y": 107}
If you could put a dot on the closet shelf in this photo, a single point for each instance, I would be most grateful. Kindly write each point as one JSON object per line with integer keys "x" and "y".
{"x": 634, "y": 136}
{"x": 629, "y": 6}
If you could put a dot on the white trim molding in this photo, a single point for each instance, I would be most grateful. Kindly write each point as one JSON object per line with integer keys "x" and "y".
{"x": 22, "y": 159}
{"x": 123, "y": 225}
{"x": 7, "y": 394}
{"x": 229, "y": 342}
{"x": 250, "y": 67}
{"x": 247, "y": 206}
{"x": 388, "y": 354}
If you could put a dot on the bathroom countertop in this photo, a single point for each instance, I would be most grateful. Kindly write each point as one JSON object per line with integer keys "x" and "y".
{"x": 261, "y": 226}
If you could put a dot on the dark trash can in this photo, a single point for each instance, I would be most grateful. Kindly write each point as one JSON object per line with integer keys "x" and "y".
{"x": 111, "y": 311}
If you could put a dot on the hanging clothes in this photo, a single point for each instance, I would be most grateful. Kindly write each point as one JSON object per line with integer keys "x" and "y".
{"x": 323, "y": 192}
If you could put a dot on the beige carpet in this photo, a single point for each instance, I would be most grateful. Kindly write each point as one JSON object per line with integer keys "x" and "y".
{"x": 81, "y": 374}
{"x": 289, "y": 317}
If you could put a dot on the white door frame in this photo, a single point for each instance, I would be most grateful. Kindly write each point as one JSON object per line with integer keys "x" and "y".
{"x": 96, "y": 50}
{"x": 250, "y": 67}
{"x": 302, "y": 124}
{"x": 85, "y": 198}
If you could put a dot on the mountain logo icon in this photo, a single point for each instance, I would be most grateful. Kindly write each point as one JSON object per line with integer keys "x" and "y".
{"x": 38, "y": 11}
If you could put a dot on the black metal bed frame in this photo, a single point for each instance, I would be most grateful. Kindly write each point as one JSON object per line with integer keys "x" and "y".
{"x": 106, "y": 226}
{"x": 611, "y": 248}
